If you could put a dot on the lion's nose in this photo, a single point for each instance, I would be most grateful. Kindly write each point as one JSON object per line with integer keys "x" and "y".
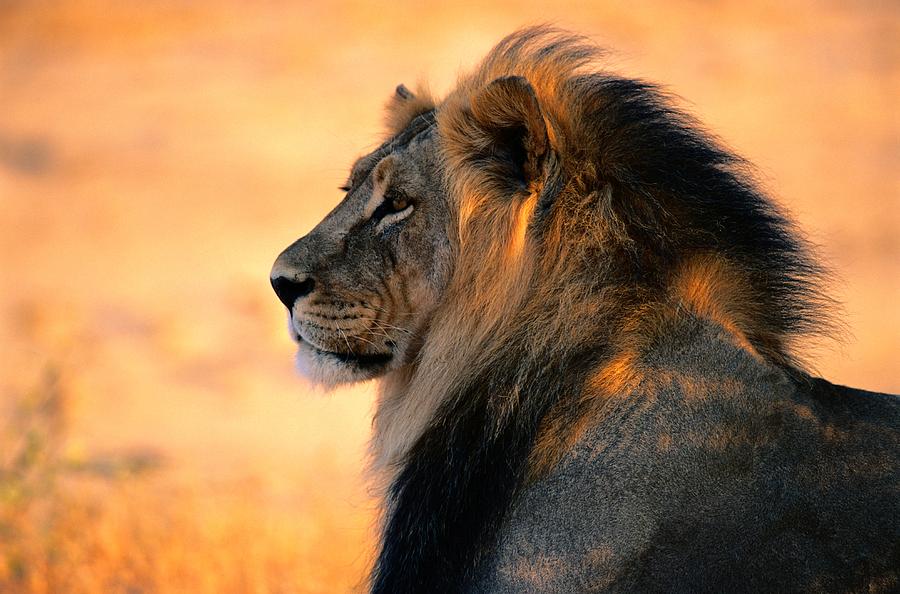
{"x": 290, "y": 290}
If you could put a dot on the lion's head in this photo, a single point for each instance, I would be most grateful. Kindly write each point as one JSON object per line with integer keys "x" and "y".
{"x": 533, "y": 211}
{"x": 361, "y": 286}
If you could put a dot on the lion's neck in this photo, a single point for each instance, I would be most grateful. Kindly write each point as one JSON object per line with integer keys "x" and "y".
{"x": 397, "y": 423}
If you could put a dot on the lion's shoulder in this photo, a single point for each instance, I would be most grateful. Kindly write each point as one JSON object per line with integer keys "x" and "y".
{"x": 716, "y": 455}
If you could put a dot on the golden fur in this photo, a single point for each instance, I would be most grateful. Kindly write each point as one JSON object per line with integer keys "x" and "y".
{"x": 502, "y": 283}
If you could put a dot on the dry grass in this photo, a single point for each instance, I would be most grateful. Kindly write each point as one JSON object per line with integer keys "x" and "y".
{"x": 155, "y": 157}
{"x": 120, "y": 524}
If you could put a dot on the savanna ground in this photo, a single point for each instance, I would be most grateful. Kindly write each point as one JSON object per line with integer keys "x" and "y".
{"x": 156, "y": 156}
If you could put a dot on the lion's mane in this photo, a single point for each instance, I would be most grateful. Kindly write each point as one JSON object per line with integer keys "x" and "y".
{"x": 637, "y": 218}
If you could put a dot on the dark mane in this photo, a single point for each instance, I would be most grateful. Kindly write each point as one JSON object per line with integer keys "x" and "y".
{"x": 635, "y": 191}
{"x": 679, "y": 192}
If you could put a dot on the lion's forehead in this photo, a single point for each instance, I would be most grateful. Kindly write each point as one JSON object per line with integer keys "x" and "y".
{"x": 406, "y": 146}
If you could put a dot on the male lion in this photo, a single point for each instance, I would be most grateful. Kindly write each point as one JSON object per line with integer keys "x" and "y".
{"x": 582, "y": 310}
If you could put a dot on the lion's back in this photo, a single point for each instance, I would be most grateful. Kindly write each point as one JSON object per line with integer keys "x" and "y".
{"x": 718, "y": 474}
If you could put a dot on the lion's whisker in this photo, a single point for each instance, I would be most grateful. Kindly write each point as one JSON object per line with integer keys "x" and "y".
{"x": 349, "y": 348}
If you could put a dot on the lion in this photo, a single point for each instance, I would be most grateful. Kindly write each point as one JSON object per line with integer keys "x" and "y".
{"x": 585, "y": 315}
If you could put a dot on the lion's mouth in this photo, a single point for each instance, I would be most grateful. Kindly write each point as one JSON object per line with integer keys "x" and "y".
{"x": 361, "y": 360}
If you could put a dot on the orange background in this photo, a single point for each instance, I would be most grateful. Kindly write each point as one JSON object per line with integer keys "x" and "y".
{"x": 154, "y": 159}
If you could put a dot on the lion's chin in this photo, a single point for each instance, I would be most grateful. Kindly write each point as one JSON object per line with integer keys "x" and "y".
{"x": 328, "y": 369}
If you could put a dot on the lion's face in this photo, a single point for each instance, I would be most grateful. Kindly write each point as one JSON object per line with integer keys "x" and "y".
{"x": 360, "y": 288}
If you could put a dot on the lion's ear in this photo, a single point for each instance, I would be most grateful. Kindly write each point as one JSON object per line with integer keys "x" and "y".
{"x": 404, "y": 106}
{"x": 508, "y": 112}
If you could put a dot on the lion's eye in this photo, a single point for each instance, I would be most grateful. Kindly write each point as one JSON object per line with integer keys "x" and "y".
{"x": 394, "y": 208}
{"x": 398, "y": 203}
{"x": 393, "y": 202}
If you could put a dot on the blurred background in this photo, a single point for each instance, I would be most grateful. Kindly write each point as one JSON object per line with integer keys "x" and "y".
{"x": 156, "y": 156}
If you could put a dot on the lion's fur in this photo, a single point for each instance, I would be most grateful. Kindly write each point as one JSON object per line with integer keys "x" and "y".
{"x": 630, "y": 234}
{"x": 564, "y": 278}
{"x": 599, "y": 251}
